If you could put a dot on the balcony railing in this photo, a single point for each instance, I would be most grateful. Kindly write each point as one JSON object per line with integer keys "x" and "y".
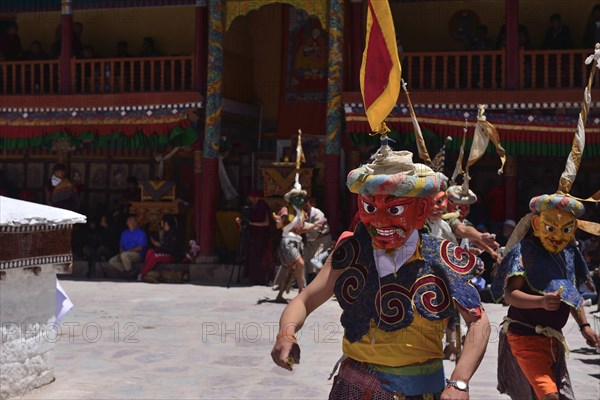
{"x": 453, "y": 70}
{"x": 140, "y": 74}
{"x": 106, "y": 75}
{"x": 425, "y": 71}
{"x": 553, "y": 68}
{"x": 29, "y": 77}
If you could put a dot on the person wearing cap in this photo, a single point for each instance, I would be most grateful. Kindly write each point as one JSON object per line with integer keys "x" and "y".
{"x": 397, "y": 288}
{"x": 537, "y": 279}
{"x": 459, "y": 203}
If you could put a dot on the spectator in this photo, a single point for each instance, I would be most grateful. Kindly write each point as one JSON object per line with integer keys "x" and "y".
{"x": 132, "y": 247}
{"x": 88, "y": 52}
{"x": 148, "y": 49}
{"x": 10, "y": 42}
{"x": 35, "y": 52}
{"x": 99, "y": 244}
{"x": 77, "y": 44}
{"x": 254, "y": 224}
{"x": 122, "y": 49}
{"x": 558, "y": 36}
{"x": 166, "y": 249}
{"x": 318, "y": 238}
{"x": 591, "y": 35}
{"x": 524, "y": 41}
{"x": 480, "y": 41}
{"x": 60, "y": 192}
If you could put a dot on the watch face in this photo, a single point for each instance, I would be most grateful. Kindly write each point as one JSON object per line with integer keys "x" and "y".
{"x": 461, "y": 385}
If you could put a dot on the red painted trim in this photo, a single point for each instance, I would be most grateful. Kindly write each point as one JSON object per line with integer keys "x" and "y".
{"x": 208, "y": 206}
{"x": 512, "y": 44}
{"x": 66, "y": 52}
{"x": 100, "y": 100}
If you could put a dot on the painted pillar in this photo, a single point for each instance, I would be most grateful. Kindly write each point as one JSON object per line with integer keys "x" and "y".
{"x": 358, "y": 37}
{"x": 66, "y": 46}
{"x": 511, "y": 50}
{"x": 212, "y": 129}
{"x": 511, "y": 185}
{"x": 201, "y": 47}
{"x": 200, "y": 65}
{"x": 334, "y": 114}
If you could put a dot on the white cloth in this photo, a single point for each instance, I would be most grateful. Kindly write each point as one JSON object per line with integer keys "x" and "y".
{"x": 441, "y": 230}
{"x": 63, "y": 305}
{"x": 387, "y": 264}
{"x": 297, "y": 221}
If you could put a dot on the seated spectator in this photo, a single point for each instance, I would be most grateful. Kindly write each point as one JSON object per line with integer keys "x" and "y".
{"x": 480, "y": 41}
{"x": 558, "y": 36}
{"x": 507, "y": 229}
{"x": 60, "y": 192}
{"x": 591, "y": 35}
{"x": 122, "y": 49}
{"x": 35, "y": 52}
{"x": 10, "y": 42}
{"x": 148, "y": 49}
{"x": 99, "y": 243}
{"x": 132, "y": 247}
{"x": 166, "y": 249}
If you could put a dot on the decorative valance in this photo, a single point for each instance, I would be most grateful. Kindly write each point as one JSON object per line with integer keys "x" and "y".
{"x": 133, "y": 126}
{"x": 237, "y": 8}
{"x": 523, "y": 132}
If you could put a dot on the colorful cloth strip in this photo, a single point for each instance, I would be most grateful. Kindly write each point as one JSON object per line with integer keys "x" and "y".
{"x": 558, "y": 201}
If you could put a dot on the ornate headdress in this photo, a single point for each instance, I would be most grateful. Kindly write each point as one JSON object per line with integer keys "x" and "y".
{"x": 394, "y": 173}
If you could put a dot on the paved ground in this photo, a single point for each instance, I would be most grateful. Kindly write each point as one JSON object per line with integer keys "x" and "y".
{"x": 128, "y": 340}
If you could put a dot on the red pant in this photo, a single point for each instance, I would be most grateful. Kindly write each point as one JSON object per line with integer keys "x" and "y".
{"x": 153, "y": 258}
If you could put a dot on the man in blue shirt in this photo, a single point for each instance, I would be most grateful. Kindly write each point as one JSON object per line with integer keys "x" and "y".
{"x": 132, "y": 247}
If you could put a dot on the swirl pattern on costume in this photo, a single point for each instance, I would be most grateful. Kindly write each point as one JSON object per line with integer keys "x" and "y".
{"x": 431, "y": 293}
{"x": 458, "y": 259}
{"x": 394, "y": 307}
{"x": 352, "y": 281}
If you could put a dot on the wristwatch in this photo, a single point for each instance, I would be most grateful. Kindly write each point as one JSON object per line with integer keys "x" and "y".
{"x": 458, "y": 384}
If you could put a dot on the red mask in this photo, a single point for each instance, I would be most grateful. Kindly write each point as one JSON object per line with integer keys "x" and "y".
{"x": 463, "y": 209}
{"x": 439, "y": 203}
{"x": 391, "y": 220}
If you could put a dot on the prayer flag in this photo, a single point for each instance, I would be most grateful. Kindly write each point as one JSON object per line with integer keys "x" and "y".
{"x": 380, "y": 71}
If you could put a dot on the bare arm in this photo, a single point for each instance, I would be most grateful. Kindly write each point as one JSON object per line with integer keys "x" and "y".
{"x": 588, "y": 333}
{"x": 294, "y": 315}
{"x": 486, "y": 243}
{"x": 476, "y": 341}
{"x": 516, "y": 297}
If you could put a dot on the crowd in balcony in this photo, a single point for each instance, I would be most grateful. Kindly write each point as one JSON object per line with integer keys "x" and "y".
{"x": 11, "y": 48}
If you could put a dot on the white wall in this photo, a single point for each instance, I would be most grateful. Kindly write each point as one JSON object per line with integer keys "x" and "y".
{"x": 27, "y": 305}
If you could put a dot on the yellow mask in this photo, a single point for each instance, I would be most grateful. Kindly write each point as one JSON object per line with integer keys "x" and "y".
{"x": 555, "y": 229}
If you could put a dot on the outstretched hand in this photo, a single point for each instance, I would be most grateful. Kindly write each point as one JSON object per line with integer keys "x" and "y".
{"x": 591, "y": 337}
{"x": 452, "y": 393}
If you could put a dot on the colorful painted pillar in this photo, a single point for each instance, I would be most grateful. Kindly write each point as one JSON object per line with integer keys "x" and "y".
{"x": 511, "y": 185}
{"x": 212, "y": 130}
{"x": 511, "y": 50}
{"x": 358, "y": 37}
{"x": 200, "y": 63}
{"x": 66, "y": 46}
{"x": 334, "y": 114}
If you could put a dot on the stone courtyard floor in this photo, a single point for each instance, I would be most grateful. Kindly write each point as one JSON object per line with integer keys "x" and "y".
{"x": 129, "y": 340}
